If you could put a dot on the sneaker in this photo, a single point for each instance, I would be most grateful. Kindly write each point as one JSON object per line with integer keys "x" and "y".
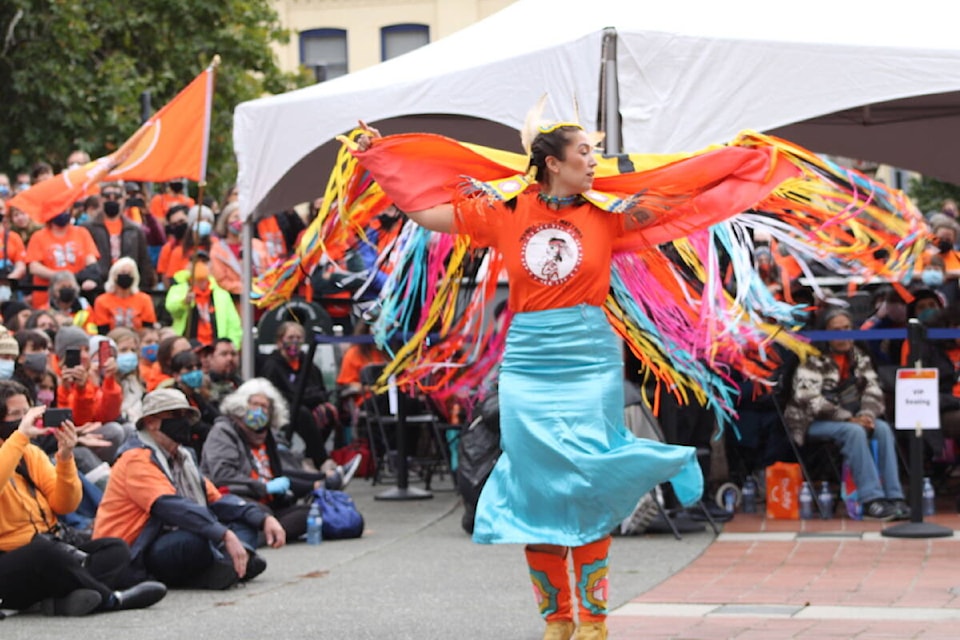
{"x": 879, "y": 510}
{"x": 348, "y": 470}
{"x": 902, "y": 509}
{"x": 78, "y": 602}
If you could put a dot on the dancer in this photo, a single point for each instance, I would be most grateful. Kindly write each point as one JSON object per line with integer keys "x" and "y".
{"x": 561, "y": 390}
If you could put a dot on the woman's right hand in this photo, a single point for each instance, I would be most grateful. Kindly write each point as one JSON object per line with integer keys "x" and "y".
{"x": 365, "y": 140}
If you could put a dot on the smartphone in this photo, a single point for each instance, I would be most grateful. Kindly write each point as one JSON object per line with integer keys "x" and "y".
{"x": 103, "y": 354}
{"x": 55, "y": 417}
{"x": 72, "y": 358}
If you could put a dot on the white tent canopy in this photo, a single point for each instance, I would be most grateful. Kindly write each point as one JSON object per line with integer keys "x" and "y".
{"x": 690, "y": 73}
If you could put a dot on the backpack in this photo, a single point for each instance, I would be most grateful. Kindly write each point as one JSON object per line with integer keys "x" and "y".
{"x": 479, "y": 450}
{"x": 341, "y": 520}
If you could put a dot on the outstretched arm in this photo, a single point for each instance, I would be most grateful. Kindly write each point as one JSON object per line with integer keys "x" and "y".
{"x": 438, "y": 218}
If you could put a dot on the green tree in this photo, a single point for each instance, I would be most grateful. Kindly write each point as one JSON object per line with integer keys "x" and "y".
{"x": 71, "y": 72}
{"x": 928, "y": 193}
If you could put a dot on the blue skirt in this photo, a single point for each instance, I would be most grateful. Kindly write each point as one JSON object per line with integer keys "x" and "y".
{"x": 570, "y": 471}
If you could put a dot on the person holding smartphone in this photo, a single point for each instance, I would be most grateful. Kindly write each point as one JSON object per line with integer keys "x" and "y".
{"x": 35, "y": 566}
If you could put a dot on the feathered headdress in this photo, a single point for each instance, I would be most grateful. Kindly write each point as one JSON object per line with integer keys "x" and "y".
{"x": 534, "y": 124}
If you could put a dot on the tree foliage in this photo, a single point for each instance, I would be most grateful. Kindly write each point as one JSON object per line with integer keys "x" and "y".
{"x": 72, "y": 73}
{"x": 928, "y": 194}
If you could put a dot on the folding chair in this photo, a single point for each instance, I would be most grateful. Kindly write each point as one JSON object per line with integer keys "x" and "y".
{"x": 428, "y": 450}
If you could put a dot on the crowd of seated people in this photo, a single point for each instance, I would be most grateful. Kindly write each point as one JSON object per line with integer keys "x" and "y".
{"x": 164, "y": 468}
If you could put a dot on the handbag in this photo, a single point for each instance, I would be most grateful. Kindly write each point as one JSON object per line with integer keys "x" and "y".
{"x": 783, "y": 480}
{"x": 341, "y": 519}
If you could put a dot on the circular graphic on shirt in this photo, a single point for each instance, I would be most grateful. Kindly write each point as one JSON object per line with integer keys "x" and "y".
{"x": 551, "y": 252}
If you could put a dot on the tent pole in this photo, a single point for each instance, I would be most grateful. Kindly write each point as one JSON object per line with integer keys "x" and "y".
{"x": 246, "y": 309}
{"x": 610, "y": 93}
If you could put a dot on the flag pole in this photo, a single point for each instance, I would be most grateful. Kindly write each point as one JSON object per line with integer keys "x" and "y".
{"x": 201, "y": 187}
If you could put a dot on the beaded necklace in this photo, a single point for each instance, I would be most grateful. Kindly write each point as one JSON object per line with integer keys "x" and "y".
{"x": 559, "y": 201}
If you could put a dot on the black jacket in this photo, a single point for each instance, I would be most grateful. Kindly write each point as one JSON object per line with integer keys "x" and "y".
{"x": 133, "y": 244}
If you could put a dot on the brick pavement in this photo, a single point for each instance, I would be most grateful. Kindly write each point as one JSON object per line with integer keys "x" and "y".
{"x": 777, "y": 579}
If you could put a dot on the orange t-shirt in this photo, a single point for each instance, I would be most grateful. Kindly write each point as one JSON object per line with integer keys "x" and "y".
{"x": 353, "y": 361}
{"x": 132, "y": 311}
{"x": 161, "y": 203}
{"x": 114, "y": 229}
{"x": 14, "y": 251}
{"x": 176, "y": 261}
{"x": 553, "y": 258}
{"x": 66, "y": 253}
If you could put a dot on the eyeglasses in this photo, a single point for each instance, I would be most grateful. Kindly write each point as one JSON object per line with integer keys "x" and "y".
{"x": 112, "y": 195}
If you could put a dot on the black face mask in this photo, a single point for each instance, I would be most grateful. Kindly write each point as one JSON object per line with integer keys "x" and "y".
{"x": 176, "y": 187}
{"x": 51, "y": 333}
{"x": 177, "y": 429}
{"x": 124, "y": 280}
{"x": 945, "y": 246}
{"x": 61, "y": 220}
{"x": 67, "y": 295}
{"x": 8, "y": 428}
{"x": 111, "y": 208}
{"x": 177, "y": 230}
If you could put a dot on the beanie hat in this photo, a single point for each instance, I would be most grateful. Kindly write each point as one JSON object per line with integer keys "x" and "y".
{"x": 11, "y": 308}
{"x": 8, "y": 344}
{"x": 70, "y": 337}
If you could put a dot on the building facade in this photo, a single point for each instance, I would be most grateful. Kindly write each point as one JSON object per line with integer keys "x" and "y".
{"x": 335, "y": 37}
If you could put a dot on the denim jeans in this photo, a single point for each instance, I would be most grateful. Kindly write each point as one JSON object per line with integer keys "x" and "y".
{"x": 874, "y": 481}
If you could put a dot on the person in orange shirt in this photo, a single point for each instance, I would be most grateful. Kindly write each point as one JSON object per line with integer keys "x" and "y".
{"x": 161, "y": 203}
{"x": 122, "y": 304}
{"x": 350, "y": 389}
{"x": 171, "y": 257}
{"x": 172, "y": 516}
{"x": 116, "y": 236}
{"x": 60, "y": 246}
{"x": 280, "y": 233}
{"x": 13, "y": 252}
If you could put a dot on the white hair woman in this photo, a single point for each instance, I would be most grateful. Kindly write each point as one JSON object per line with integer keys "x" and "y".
{"x": 241, "y": 454}
{"x": 123, "y": 304}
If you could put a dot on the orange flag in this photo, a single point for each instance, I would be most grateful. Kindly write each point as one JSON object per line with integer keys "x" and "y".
{"x": 172, "y": 144}
{"x": 177, "y": 136}
{"x": 55, "y": 195}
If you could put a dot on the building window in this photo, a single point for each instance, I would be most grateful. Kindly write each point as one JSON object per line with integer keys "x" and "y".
{"x": 325, "y": 52}
{"x": 398, "y": 39}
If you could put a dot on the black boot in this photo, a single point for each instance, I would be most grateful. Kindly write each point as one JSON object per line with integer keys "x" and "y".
{"x": 139, "y": 596}
{"x": 78, "y": 602}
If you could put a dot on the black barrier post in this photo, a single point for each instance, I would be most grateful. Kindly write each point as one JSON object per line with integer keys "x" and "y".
{"x": 403, "y": 490}
{"x": 916, "y": 528}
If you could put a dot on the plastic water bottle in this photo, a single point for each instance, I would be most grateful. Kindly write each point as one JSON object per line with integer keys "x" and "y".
{"x": 826, "y": 501}
{"x": 929, "y": 498}
{"x": 806, "y": 502}
{"x": 314, "y": 525}
{"x": 749, "y": 495}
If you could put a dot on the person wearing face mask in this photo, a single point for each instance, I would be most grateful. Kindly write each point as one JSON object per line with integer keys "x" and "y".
{"x": 9, "y": 352}
{"x": 116, "y": 236}
{"x": 189, "y": 379}
{"x": 226, "y": 255}
{"x": 891, "y": 313}
{"x": 279, "y": 234}
{"x": 128, "y": 373}
{"x": 201, "y": 309}
{"x": 241, "y": 456}
{"x": 12, "y": 255}
{"x": 837, "y": 395}
{"x": 180, "y": 528}
{"x": 62, "y": 246}
{"x": 315, "y": 419}
{"x": 67, "y": 304}
{"x": 33, "y": 362}
{"x": 122, "y": 304}
{"x": 171, "y": 258}
{"x": 33, "y": 568}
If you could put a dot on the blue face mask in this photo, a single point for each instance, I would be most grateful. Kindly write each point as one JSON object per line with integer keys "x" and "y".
{"x": 204, "y": 228}
{"x": 256, "y": 418}
{"x": 192, "y": 379}
{"x": 932, "y": 277}
{"x": 928, "y": 315}
{"x": 61, "y": 220}
{"x": 149, "y": 352}
{"x": 127, "y": 362}
{"x": 6, "y": 369}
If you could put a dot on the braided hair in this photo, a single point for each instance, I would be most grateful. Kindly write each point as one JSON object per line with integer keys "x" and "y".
{"x": 552, "y": 143}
